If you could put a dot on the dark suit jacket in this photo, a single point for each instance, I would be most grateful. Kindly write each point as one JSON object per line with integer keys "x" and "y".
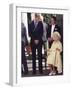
{"x": 57, "y": 28}
{"x": 36, "y": 33}
{"x": 24, "y": 36}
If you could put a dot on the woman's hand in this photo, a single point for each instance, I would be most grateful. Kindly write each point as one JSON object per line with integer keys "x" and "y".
{"x": 58, "y": 49}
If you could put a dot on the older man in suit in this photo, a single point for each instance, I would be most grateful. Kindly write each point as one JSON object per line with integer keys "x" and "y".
{"x": 52, "y": 28}
{"x": 36, "y": 33}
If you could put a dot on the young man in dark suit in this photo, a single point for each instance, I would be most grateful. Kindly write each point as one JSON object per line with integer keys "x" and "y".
{"x": 24, "y": 43}
{"x": 36, "y": 33}
{"x": 52, "y": 28}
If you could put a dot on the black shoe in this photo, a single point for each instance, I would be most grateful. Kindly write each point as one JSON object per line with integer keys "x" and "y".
{"x": 26, "y": 72}
{"x": 41, "y": 72}
{"x": 22, "y": 72}
{"x": 34, "y": 72}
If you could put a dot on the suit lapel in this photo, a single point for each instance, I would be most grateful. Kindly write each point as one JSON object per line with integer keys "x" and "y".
{"x": 50, "y": 30}
{"x": 55, "y": 29}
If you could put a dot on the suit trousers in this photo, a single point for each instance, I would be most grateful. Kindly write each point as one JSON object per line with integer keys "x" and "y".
{"x": 24, "y": 61}
{"x": 37, "y": 47}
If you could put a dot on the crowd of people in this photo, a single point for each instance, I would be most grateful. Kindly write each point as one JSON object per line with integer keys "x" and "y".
{"x": 46, "y": 35}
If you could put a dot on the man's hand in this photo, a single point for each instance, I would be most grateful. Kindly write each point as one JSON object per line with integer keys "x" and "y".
{"x": 36, "y": 41}
{"x": 28, "y": 48}
{"x": 50, "y": 39}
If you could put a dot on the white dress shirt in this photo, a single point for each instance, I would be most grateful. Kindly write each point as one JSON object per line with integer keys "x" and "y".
{"x": 52, "y": 29}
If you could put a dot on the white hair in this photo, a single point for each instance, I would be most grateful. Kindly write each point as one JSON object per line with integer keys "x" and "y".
{"x": 57, "y": 33}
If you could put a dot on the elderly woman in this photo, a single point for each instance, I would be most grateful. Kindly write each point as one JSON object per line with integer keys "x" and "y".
{"x": 53, "y": 55}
